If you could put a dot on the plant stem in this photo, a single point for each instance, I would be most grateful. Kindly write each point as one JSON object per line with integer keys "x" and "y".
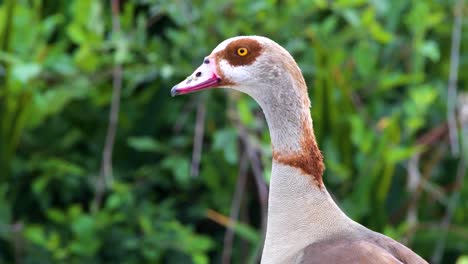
{"x": 5, "y": 144}
{"x": 105, "y": 178}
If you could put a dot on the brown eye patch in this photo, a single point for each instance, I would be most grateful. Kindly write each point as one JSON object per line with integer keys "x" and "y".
{"x": 231, "y": 52}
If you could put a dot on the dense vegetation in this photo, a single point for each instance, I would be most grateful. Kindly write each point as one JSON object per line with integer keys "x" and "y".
{"x": 378, "y": 75}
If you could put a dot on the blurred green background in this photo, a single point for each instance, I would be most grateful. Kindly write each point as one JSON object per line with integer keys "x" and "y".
{"x": 378, "y": 76}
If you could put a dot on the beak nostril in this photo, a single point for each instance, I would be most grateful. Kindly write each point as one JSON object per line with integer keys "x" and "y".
{"x": 198, "y": 74}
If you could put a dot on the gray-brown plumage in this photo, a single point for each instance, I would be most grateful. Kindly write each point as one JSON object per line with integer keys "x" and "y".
{"x": 375, "y": 248}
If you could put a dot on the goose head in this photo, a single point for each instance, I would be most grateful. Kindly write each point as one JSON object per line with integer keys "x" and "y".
{"x": 264, "y": 70}
{"x": 254, "y": 65}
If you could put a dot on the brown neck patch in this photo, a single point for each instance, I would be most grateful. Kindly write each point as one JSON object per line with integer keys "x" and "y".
{"x": 230, "y": 54}
{"x": 309, "y": 159}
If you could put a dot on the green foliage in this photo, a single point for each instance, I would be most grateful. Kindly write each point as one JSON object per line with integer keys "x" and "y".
{"x": 377, "y": 74}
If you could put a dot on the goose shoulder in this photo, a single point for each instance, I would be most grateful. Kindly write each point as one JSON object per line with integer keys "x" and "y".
{"x": 373, "y": 248}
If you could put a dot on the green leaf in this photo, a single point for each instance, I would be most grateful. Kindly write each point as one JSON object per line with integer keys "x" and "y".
{"x": 396, "y": 79}
{"x": 56, "y": 215}
{"x": 225, "y": 140}
{"x": 76, "y": 33}
{"x": 53, "y": 241}
{"x": 113, "y": 202}
{"x": 462, "y": 259}
{"x": 146, "y": 225}
{"x": 246, "y": 232}
{"x": 25, "y": 72}
{"x": 50, "y": 24}
{"x": 87, "y": 59}
{"x": 179, "y": 167}
{"x": 200, "y": 259}
{"x": 430, "y": 50}
{"x": 36, "y": 234}
{"x": 40, "y": 184}
{"x": 122, "y": 53}
{"x": 365, "y": 55}
{"x": 245, "y": 113}
{"x": 375, "y": 28}
{"x": 399, "y": 153}
{"x": 83, "y": 226}
{"x": 146, "y": 144}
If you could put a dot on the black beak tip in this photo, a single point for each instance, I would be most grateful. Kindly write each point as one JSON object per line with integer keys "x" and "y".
{"x": 174, "y": 91}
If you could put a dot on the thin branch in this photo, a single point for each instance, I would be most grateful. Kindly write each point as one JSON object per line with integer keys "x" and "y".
{"x": 417, "y": 180}
{"x": 463, "y": 110}
{"x": 459, "y": 179}
{"x": 235, "y": 207}
{"x": 252, "y": 153}
{"x": 435, "y": 192}
{"x": 105, "y": 178}
{"x": 244, "y": 247}
{"x": 453, "y": 131}
{"x": 219, "y": 218}
{"x": 184, "y": 115}
{"x": 434, "y": 135}
{"x": 18, "y": 242}
{"x": 154, "y": 19}
{"x": 198, "y": 138}
{"x": 453, "y": 77}
{"x": 414, "y": 182}
{"x": 440, "y": 247}
{"x": 106, "y": 165}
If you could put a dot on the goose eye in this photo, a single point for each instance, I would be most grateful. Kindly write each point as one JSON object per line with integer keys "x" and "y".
{"x": 242, "y": 52}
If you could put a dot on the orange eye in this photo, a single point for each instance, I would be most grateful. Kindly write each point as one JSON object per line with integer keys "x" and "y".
{"x": 242, "y": 52}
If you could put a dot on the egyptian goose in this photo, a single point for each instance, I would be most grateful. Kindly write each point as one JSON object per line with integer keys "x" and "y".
{"x": 304, "y": 223}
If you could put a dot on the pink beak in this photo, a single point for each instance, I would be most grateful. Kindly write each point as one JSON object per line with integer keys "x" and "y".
{"x": 202, "y": 78}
